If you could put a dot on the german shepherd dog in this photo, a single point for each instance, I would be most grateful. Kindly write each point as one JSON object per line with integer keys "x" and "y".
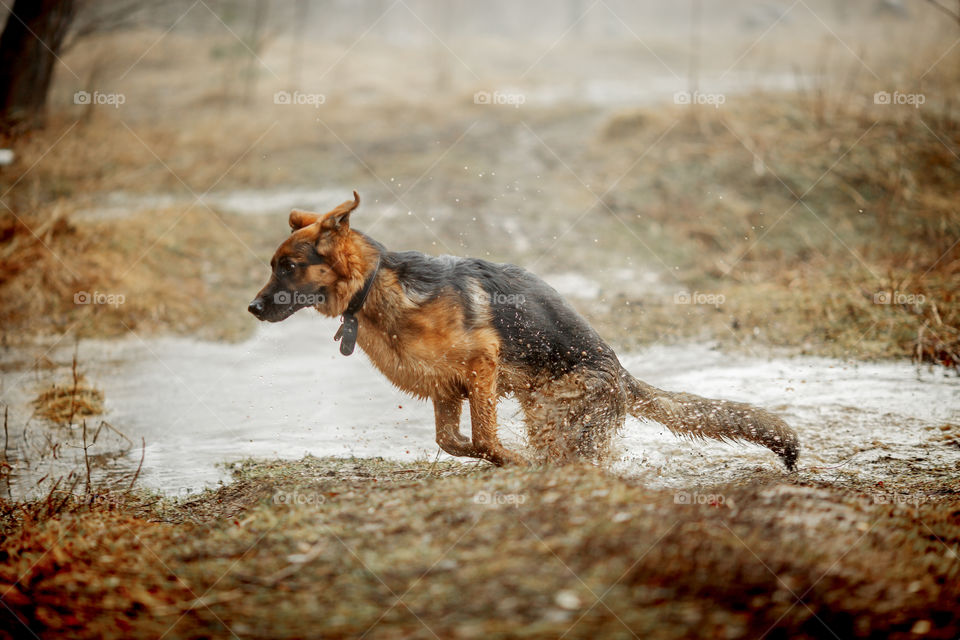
{"x": 452, "y": 329}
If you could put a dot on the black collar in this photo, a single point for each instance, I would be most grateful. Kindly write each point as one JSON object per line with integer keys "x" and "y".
{"x": 348, "y": 330}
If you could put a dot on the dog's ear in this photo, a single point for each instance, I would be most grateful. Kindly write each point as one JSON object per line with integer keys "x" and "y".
{"x": 300, "y": 219}
{"x": 339, "y": 218}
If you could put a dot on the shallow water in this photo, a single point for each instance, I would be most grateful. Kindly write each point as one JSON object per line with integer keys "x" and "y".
{"x": 871, "y": 421}
{"x": 288, "y": 392}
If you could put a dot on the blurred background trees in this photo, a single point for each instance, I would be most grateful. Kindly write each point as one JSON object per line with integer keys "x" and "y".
{"x": 29, "y": 48}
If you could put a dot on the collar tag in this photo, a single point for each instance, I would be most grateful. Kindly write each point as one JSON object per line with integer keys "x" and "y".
{"x": 347, "y": 333}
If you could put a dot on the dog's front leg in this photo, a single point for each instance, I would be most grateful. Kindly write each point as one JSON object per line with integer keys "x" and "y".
{"x": 482, "y": 394}
{"x": 447, "y": 412}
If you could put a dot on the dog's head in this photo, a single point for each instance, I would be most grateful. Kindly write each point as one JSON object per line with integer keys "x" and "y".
{"x": 319, "y": 265}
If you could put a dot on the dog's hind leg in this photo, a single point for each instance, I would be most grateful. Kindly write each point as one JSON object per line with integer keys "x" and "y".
{"x": 575, "y": 416}
{"x": 446, "y": 410}
{"x": 482, "y": 394}
{"x": 598, "y": 415}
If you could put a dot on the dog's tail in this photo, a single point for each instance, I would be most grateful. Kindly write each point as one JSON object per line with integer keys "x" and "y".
{"x": 689, "y": 415}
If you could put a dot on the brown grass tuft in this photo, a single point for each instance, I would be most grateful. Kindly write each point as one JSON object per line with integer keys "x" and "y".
{"x": 61, "y": 403}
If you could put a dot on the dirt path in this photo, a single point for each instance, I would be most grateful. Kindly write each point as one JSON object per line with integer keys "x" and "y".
{"x": 380, "y": 549}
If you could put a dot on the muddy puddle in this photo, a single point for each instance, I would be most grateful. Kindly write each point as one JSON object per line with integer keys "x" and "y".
{"x": 288, "y": 392}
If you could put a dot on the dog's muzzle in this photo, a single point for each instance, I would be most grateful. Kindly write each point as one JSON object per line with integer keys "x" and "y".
{"x": 256, "y": 308}
{"x": 277, "y": 306}
{"x": 263, "y": 310}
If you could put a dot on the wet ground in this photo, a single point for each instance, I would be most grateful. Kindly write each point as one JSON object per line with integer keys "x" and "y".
{"x": 288, "y": 392}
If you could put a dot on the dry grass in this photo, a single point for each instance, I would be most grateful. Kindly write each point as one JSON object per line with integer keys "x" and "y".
{"x": 864, "y": 264}
{"x": 172, "y": 271}
{"x": 708, "y": 196}
{"x": 713, "y": 191}
{"x": 715, "y": 197}
{"x": 61, "y": 403}
{"x": 330, "y": 547}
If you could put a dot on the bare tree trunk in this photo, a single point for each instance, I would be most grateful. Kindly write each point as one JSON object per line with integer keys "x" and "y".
{"x": 574, "y": 12}
{"x": 693, "y": 74}
{"x": 444, "y": 23}
{"x": 300, "y": 17}
{"x": 255, "y": 42}
{"x": 29, "y": 46}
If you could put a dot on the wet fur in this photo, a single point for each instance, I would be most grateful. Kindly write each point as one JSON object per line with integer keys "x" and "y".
{"x": 451, "y": 329}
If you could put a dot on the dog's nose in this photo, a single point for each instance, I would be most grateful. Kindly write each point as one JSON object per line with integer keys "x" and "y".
{"x": 256, "y": 307}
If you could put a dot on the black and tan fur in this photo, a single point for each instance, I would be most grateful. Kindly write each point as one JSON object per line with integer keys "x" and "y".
{"x": 451, "y": 329}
